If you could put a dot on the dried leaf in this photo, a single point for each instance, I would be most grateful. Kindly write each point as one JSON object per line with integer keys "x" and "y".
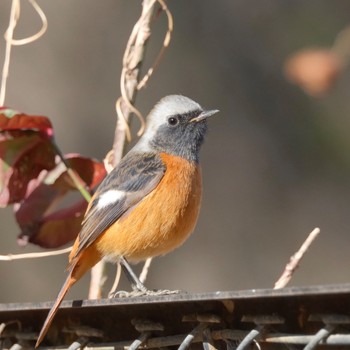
{"x": 314, "y": 70}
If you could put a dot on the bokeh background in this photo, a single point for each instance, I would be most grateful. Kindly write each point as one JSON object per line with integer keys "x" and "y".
{"x": 276, "y": 162}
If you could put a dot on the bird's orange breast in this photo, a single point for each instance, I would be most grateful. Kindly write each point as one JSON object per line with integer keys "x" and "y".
{"x": 162, "y": 221}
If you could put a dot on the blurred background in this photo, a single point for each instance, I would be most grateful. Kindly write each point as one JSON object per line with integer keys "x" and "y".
{"x": 276, "y": 161}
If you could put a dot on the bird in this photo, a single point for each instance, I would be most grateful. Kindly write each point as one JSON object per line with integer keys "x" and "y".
{"x": 149, "y": 203}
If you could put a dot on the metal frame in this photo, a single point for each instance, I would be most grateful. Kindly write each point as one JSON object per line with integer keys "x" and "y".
{"x": 290, "y": 318}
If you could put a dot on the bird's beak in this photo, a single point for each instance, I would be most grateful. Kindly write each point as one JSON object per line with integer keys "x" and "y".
{"x": 204, "y": 115}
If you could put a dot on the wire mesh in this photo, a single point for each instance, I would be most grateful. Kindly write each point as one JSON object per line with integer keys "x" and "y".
{"x": 293, "y": 318}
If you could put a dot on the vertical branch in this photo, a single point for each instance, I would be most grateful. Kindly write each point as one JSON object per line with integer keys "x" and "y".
{"x": 132, "y": 61}
{"x": 10, "y": 41}
{"x": 130, "y": 75}
{"x": 10, "y": 30}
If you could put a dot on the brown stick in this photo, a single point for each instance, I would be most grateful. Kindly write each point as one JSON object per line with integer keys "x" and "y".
{"x": 295, "y": 260}
{"x": 133, "y": 57}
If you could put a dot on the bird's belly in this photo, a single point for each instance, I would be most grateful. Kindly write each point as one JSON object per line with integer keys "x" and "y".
{"x": 162, "y": 221}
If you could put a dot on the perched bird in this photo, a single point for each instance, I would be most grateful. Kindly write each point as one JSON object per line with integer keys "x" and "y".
{"x": 148, "y": 205}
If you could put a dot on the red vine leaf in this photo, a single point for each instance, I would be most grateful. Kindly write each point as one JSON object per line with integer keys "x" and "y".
{"x": 26, "y": 149}
{"x": 39, "y": 216}
{"x": 56, "y": 229}
{"x": 31, "y": 179}
{"x": 11, "y": 120}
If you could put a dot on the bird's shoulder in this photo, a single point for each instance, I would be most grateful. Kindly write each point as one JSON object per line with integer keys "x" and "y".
{"x": 133, "y": 171}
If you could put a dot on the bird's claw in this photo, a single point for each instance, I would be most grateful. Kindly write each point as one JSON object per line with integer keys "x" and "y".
{"x": 141, "y": 293}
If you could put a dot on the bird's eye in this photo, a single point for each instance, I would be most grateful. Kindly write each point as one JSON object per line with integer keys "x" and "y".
{"x": 173, "y": 121}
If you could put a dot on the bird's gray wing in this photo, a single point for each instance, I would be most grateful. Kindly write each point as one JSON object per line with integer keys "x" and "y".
{"x": 136, "y": 176}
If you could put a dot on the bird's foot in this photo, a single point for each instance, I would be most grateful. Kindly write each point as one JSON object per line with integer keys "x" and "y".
{"x": 141, "y": 293}
{"x": 118, "y": 294}
{"x": 156, "y": 292}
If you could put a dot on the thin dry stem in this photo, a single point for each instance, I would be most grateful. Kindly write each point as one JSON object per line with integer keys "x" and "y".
{"x": 10, "y": 41}
{"x": 108, "y": 161}
{"x": 11, "y": 257}
{"x": 130, "y": 81}
{"x": 145, "y": 270}
{"x": 166, "y": 43}
{"x": 116, "y": 281}
{"x": 38, "y": 34}
{"x": 295, "y": 260}
{"x": 6, "y": 66}
{"x": 97, "y": 280}
{"x": 133, "y": 57}
{"x": 78, "y": 182}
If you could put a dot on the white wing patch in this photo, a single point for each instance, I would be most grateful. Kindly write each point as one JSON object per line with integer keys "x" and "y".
{"x": 109, "y": 197}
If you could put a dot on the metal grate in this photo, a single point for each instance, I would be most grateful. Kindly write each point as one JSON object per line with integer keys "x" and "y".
{"x": 291, "y": 318}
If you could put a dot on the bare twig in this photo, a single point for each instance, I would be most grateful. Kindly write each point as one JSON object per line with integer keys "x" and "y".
{"x": 14, "y": 16}
{"x": 97, "y": 280}
{"x": 35, "y": 36}
{"x": 11, "y": 257}
{"x": 5, "y": 70}
{"x": 133, "y": 57}
{"x": 116, "y": 281}
{"x": 78, "y": 182}
{"x": 295, "y": 260}
{"x": 166, "y": 43}
{"x": 145, "y": 269}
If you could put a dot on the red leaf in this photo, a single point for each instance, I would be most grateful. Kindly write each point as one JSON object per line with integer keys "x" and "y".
{"x": 21, "y": 160}
{"x": 11, "y": 120}
{"x": 39, "y": 223}
{"x": 30, "y": 178}
{"x": 56, "y": 229}
{"x": 91, "y": 172}
{"x": 25, "y": 150}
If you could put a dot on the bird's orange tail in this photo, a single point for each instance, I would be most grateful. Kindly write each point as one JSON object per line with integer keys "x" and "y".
{"x": 67, "y": 284}
{"x": 77, "y": 267}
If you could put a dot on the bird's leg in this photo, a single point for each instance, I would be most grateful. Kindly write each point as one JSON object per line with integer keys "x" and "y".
{"x": 138, "y": 289}
{"x": 136, "y": 284}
